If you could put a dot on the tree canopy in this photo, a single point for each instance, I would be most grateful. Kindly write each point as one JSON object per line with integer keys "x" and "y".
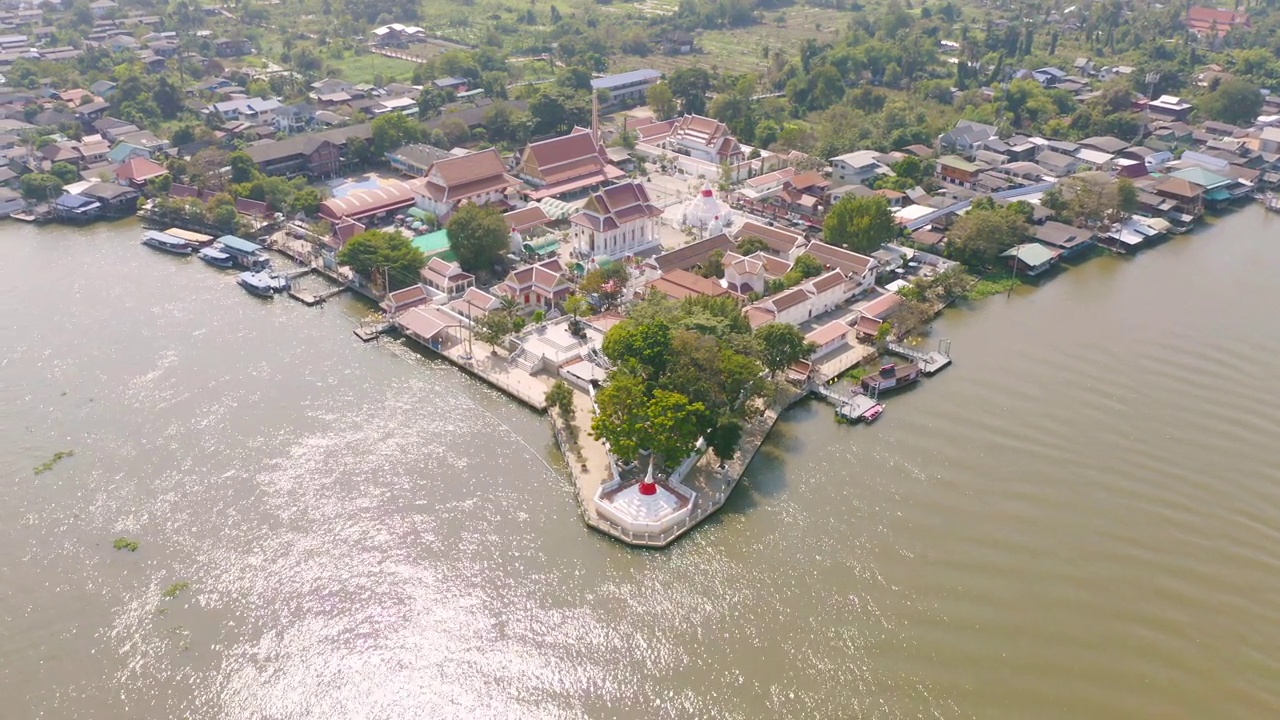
{"x": 391, "y": 130}
{"x": 679, "y": 363}
{"x": 375, "y": 254}
{"x": 781, "y": 345}
{"x": 478, "y": 237}
{"x": 860, "y": 224}
{"x": 1235, "y": 101}
{"x": 979, "y": 236}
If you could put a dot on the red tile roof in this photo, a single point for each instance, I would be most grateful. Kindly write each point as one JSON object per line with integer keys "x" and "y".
{"x": 616, "y": 206}
{"x": 526, "y": 218}
{"x": 850, "y": 263}
{"x": 680, "y": 284}
{"x": 139, "y": 170}
{"x": 779, "y": 240}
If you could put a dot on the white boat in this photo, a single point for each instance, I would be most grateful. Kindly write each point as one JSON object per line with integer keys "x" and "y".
{"x": 263, "y": 284}
{"x": 215, "y": 257}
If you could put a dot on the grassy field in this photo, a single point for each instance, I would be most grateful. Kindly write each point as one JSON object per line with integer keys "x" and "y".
{"x": 742, "y": 49}
{"x": 362, "y": 67}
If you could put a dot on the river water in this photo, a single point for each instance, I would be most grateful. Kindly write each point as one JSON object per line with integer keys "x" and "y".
{"x": 1079, "y": 519}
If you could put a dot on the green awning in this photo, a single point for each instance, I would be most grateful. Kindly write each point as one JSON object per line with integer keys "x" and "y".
{"x": 544, "y": 246}
{"x": 1218, "y": 195}
{"x": 419, "y": 214}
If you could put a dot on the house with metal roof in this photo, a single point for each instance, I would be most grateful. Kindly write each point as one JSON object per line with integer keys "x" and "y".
{"x": 1030, "y": 258}
{"x": 627, "y": 87}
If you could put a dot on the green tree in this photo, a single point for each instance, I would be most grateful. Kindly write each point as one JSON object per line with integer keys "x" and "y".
{"x": 979, "y": 236}
{"x": 912, "y": 168}
{"x": 65, "y": 172}
{"x": 577, "y": 306}
{"x": 606, "y": 283}
{"x": 661, "y": 101}
{"x": 672, "y": 429}
{"x": 860, "y": 224}
{"x": 631, "y": 419}
{"x": 506, "y": 124}
{"x": 781, "y": 346}
{"x": 376, "y": 254}
{"x": 391, "y": 130}
{"x": 1235, "y": 101}
{"x": 40, "y": 186}
{"x": 750, "y": 245}
{"x": 646, "y": 344}
{"x": 807, "y": 266}
{"x": 621, "y": 409}
{"x": 713, "y": 267}
{"x": 306, "y": 201}
{"x": 243, "y": 168}
{"x": 183, "y": 134}
{"x": 724, "y": 438}
{"x": 689, "y": 87}
{"x": 494, "y": 326}
{"x": 478, "y": 237}
{"x": 1126, "y": 196}
{"x": 560, "y": 397}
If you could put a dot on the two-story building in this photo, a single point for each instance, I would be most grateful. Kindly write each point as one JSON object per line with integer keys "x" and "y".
{"x": 957, "y": 171}
{"x": 315, "y": 155}
{"x": 859, "y": 270}
{"x": 294, "y": 119}
{"x": 1188, "y": 199}
{"x": 259, "y": 111}
{"x": 618, "y": 221}
{"x": 479, "y": 178}
{"x": 447, "y": 277}
{"x": 862, "y": 167}
{"x": 627, "y": 87}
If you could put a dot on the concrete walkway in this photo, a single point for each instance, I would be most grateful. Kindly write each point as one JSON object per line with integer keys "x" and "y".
{"x": 499, "y": 371}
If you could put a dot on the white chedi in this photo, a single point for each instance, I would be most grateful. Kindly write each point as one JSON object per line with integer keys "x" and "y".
{"x": 707, "y": 212}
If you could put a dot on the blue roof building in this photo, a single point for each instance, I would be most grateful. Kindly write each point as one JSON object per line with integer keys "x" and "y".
{"x": 628, "y": 86}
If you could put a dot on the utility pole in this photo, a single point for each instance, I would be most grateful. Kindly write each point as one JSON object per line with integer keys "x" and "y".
{"x": 1013, "y": 277}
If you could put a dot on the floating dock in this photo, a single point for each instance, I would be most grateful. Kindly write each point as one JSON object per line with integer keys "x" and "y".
{"x": 930, "y": 362}
{"x": 851, "y": 407}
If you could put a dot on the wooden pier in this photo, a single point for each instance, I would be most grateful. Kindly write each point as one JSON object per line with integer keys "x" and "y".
{"x": 930, "y": 362}
{"x": 311, "y": 299}
{"x": 369, "y": 333}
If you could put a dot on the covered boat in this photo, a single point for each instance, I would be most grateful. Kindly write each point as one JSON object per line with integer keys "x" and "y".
{"x": 166, "y": 243}
{"x": 262, "y": 284}
{"x": 215, "y": 257}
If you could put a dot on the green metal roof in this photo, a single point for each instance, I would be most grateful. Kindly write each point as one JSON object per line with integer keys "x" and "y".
{"x": 1031, "y": 254}
{"x": 958, "y": 163}
{"x": 1202, "y": 177}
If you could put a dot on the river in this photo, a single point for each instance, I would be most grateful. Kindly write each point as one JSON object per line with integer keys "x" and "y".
{"x": 1079, "y": 519}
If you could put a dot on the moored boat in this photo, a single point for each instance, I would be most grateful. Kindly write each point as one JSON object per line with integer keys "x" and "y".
{"x": 166, "y": 243}
{"x": 263, "y": 284}
{"x": 872, "y": 414}
{"x": 215, "y": 257}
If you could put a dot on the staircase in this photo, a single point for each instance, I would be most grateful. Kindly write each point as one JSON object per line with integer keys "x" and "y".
{"x": 524, "y": 361}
